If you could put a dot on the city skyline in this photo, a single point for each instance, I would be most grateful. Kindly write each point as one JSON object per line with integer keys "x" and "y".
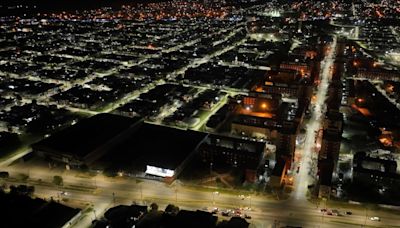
{"x": 200, "y": 113}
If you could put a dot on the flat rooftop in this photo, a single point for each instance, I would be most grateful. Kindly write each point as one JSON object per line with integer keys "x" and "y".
{"x": 258, "y": 106}
{"x": 23, "y": 211}
{"x": 153, "y": 145}
{"x": 282, "y": 76}
{"x": 87, "y": 135}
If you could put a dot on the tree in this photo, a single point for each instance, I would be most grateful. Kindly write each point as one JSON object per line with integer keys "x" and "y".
{"x": 153, "y": 207}
{"x": 58, "y": 180}
{"x": 172, "y": 209}
{"x": 22, "y": 190}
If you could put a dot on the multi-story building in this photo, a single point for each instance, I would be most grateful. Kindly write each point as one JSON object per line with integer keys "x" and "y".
{"x": 287, "y": 82}
{"x": 374, "y": 170}
{"x": 325, "y": 169}
{"x": 378, "y": 74}
{"x": 329, "y": 153}
{"x": 279, "y": 172}
{"x": 218, "y": 150}
{"x": 268, "y": 117}
{"x": 331, "y": 137}
{"x": 306, "y": 65}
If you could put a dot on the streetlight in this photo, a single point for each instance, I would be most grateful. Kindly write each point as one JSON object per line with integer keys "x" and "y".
{"x": 94, "y": 212}
{"x": 95, "y": 181}
{"x": 249, "y": 197}
{"x": 366, "y": 215}
{"x": 323, "y": 213}
{"x": 276, "y": 223}
{"x": 213, "y": 196}
{"x": 176, "y": 194}
{"x": 141, "y": 193}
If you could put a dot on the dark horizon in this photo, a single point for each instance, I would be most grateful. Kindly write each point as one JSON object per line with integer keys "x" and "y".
{"x": 8, "y": 7}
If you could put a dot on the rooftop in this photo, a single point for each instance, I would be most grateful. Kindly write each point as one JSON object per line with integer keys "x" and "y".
{"x": 87, "y": 135}
{"x": 259, "y": 105}
{"x": 154, "y": 145}
{"x": 23, "y": 211}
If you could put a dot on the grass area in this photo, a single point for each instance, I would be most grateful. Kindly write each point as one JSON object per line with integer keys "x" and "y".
{"x": 203, "y": 114}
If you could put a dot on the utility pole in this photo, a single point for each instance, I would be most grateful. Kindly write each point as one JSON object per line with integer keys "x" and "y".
{"x": 250, "y": 200}
{"x": 366, "y": 215}
{"x": 176, "y": 194}
{"x": 113, "y": 194}
{"x": 141, "y": 193}
{"x": 94, "y": 212}
{"x": 213, "y": 196}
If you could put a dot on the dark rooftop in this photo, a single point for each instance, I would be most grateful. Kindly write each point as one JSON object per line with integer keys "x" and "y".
{"x": 234, "y": 222}
{"x": 325, "y": 168}
{"x": 279, "y": 167}
{"x": 195, "y": 219}
{"x": 156, "y": 146}
{"x": 87, "y": 135}
{"x": 381, "y": 167}
{"x": 333, "y": 136}
{"x": 23, "y": 211}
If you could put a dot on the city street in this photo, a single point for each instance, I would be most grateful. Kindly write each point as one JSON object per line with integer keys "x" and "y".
{"x": 99, "y": 190}
{"x": 302, "y": 179}
{"x": 226, "y": 92}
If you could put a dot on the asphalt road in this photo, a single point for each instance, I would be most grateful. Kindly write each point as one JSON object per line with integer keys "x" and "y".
{"x": 265, "y": 210}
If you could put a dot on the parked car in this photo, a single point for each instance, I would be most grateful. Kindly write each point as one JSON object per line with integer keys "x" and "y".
{"x": 225, "y": 213}
{"x": 214, "y": 210}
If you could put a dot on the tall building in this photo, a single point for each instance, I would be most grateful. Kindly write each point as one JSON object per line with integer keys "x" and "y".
{"x": 266, "y": 116}
{"x": 218, "y": 150}
{"x": 286, "y": 82}
{"x": 331, "y": 137}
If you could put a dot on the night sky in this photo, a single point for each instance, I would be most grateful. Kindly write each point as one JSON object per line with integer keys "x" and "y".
{"x": 61, "y": 5}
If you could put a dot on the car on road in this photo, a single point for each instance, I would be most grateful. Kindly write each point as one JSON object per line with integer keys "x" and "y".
{"x": 237, "y": 212}
{"x": 349, "y": 213}
{"x": 375, "y": 218}
{"x": 225, "y": 213}
{"x": 323, "y": 210}
{"x": 215, "y": 210}
{"x": 336, "y": 213}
